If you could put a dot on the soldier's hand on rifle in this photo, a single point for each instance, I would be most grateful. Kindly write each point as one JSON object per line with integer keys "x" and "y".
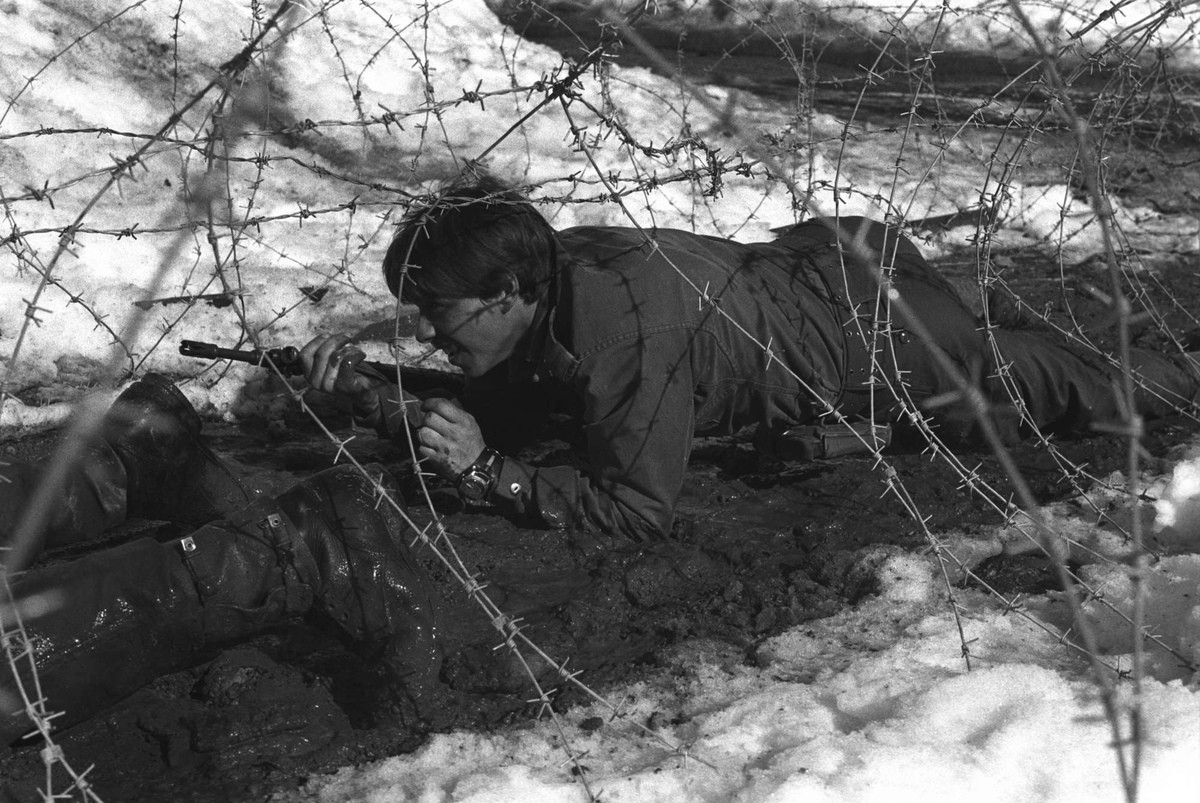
{"x": 450, "y": 439}
{"x": 330, "y": 364}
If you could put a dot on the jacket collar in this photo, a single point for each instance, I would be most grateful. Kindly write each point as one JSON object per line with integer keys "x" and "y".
{"x": 525, "y": 364}
{"x": 549, "y": 353}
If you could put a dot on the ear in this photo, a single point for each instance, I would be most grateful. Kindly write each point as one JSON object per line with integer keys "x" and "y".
{"x": 508, "y": 299}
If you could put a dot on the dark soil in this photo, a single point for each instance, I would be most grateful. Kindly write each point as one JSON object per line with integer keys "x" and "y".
{"x": 759, "y": 547}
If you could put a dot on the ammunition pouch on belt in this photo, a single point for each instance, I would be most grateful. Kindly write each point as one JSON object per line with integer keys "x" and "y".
{"x": 807, "y": 443}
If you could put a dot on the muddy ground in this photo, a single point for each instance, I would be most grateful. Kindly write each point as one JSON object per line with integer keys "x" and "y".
{"x": 760, "y": 546}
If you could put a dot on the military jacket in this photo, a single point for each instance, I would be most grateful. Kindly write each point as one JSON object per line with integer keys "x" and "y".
{"x": 656, "y": 342}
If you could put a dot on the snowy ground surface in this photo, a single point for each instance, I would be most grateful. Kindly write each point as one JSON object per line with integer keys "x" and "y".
{"x": 871, "y": 704}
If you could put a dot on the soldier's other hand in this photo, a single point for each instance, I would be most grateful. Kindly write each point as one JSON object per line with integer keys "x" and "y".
{"x": 331, "y": 363}
{"x": 449, "y": 440}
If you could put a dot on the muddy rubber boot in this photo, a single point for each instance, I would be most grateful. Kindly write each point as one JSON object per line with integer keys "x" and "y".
{"x": 89, "y": 502}
{"x": 148, "y": 462}
{"x": 170, "y": 473}
{"x": 101, "y": 627}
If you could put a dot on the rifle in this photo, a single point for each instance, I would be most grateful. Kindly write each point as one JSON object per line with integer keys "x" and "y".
{"x": 287, "y": 360}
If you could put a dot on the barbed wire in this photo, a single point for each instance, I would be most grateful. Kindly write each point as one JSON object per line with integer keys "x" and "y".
{"x": 721, "y": 142}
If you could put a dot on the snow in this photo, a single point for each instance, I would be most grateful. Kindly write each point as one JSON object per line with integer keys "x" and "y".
{"x": 875, "y": 703}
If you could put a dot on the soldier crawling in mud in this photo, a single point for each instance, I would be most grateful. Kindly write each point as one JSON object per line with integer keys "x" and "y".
{"x": 594, "y": 322}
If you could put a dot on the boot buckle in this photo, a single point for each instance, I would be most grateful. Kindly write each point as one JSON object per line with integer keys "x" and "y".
{"x": 190, "y": 549}
{"x": 272, "y": 527}
{"x": 275, "y": 529}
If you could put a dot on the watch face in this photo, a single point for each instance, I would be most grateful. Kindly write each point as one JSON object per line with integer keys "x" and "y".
{"x": 474, "y": 485}
{"x": 477, "y": 480}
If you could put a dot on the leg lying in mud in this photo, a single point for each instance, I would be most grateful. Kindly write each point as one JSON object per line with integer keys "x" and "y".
{"x": 1061, "y": 388}
{"x": 103, "y": 626}
{"x": 148, "y": 461}
{"x": 1068, "y": 390}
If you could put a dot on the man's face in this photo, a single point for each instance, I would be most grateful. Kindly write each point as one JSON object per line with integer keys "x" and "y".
{"x": 477, "y": 334}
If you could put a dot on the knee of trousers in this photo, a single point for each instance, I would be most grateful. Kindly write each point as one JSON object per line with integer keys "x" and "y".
{"x": 365, "y": 577}
{"x": 285, "y": 556}
{"x": 272, "y": 559}
{"x": 345, "y": 536}
{"x": 250, "y": 571}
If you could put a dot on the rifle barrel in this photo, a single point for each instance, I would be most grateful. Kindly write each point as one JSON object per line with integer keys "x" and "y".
{"x": 285, "y": 359}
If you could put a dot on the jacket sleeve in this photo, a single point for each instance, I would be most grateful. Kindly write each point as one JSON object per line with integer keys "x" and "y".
{"x": 639, "y": 418}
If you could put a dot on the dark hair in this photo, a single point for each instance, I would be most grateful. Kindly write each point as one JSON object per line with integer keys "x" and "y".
{"x": 470, "y": 240}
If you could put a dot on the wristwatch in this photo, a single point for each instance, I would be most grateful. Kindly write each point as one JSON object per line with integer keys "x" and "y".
{"x": 477, "y": 481}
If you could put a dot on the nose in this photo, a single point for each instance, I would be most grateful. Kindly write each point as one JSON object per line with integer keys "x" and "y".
{"x": 423, "y": 330}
